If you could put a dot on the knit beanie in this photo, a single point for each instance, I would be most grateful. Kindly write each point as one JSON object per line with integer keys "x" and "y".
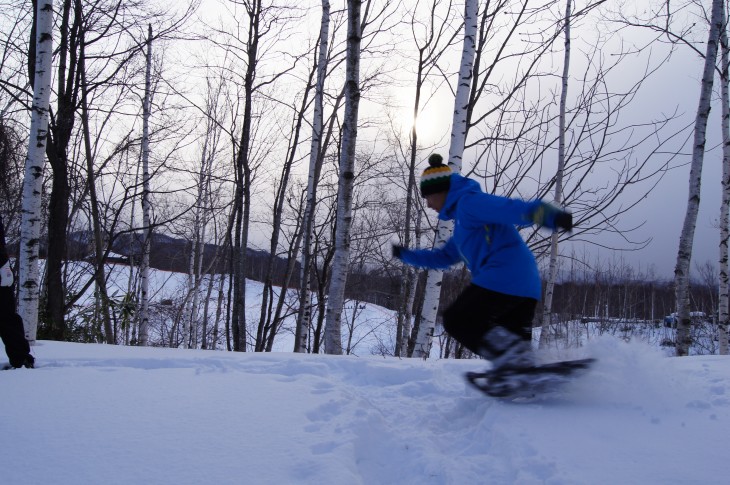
{"x": 437, "y": 177}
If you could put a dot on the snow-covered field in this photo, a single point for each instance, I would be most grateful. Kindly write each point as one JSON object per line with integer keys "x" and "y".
{"x": 98, "y": 414}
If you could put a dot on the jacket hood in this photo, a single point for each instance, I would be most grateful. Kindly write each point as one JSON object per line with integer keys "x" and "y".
{"x": 460, "y": 186}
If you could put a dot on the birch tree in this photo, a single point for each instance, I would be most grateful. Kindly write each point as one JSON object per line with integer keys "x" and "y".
{"x": 304, "y": 315}
{"x": 431, "y": 38}
{"x": 723, "y": 310}
{"x": 333, "y": 325}
{"x": 32, "y": 183}
{"x": 144, "y": 269}
{"x": 459, "y": 128}
{"x": 553, "y": 265}
{"x": 252, "y": 144}
{"x": 201, "y": 213}
{"x": 684, "y": 254}
{"x": 267, "y": 327}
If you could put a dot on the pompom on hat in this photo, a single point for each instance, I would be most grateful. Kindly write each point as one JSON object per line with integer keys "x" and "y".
{"x": 437, "y": 177}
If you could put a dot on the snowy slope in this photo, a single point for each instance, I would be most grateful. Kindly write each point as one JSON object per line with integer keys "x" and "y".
{"x": 93, "y": 414}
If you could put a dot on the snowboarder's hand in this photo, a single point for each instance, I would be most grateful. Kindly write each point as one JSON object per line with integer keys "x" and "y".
{"x": 553, "y": 217}
{"x": 6, "y": 275}
{"x": 397, "y": 251}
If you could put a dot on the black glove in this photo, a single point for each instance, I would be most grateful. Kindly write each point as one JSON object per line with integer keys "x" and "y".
{"x": 553, "y": 217}
{"x": 564, "y": 220}
{"x": 397, "y": 250}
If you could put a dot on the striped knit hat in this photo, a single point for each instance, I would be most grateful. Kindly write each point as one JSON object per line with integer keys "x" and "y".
{"x": 437, "y": 177}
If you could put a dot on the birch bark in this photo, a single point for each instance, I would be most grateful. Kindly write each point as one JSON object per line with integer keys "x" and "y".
{"x": 553, "y": 265}
{"x": 194, "y": 262}
{"x": 459, "y": 128}
{"x": 304, "y": 315}
{"x": 684, "y": 254}
{"x": 723, "y": 304}
{"x": 33, "y": 181}
{"x": 144, "y": 270}
{"x": 341, "y": 262}
{"x": 430, "y": 48}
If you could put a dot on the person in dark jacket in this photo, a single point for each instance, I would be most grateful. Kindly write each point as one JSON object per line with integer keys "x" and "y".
{"x": 493, "y": 316}
{"x": 11, "y": 325}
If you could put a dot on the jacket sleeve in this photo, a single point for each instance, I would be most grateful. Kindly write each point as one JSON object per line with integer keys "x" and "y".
{"x": 439, "y": 258}
{"x": 493, "y": 209}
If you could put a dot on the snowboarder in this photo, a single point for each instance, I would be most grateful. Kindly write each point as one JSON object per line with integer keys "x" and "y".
{"x": 493, "y": 316}
{"x": 11, "y": 325}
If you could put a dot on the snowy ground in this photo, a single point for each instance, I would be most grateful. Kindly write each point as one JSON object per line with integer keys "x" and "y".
{"x": 93, "y": 414}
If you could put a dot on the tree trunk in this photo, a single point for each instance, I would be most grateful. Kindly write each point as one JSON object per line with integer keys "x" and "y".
{"x": 33, "y": 181}
{"x": 723, "y": 311}
{"x": 244, "y": 176}
{"x": 684, "y": 255}
{"x": 144, "y": 270}
{"x": 553, "y": 266}
{"x": 459, "y": 129}
{"x": 333, "y": 325}
{"x": 267, "y": 328}
{"x": 304, "y": 315}
{"x": 195, "y": 265}
{"x": 61, "y": 129}
{"x": 99, "y": 272}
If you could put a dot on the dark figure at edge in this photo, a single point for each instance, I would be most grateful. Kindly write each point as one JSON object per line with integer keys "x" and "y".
{"x": 11, "y": 325}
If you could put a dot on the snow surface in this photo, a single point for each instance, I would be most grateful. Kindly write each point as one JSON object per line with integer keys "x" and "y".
{"x": 99, "y": 414}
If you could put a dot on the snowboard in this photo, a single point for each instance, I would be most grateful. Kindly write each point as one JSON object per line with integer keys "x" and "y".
{"x": 530, "y": 382}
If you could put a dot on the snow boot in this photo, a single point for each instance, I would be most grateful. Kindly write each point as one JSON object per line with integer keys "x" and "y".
{"x": 28, "y": 362}
{"x": 512, "y": 359}
{"x": 506, "y": 350}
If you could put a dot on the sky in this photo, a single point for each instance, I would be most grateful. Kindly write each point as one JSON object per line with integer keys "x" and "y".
{"x": 660, "y": 215}
{"x": 674, "y": 88}
{"x": 92, "y": 414}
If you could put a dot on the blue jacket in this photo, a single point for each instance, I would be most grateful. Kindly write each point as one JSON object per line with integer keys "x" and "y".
{"x": 485, "y": 239}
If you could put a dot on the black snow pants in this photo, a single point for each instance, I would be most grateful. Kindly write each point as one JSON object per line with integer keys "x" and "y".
{"x": 11, "y": 329}
{"x": 478, "y": 310}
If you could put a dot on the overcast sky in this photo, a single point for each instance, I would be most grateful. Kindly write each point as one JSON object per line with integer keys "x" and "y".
{"x": 675, "y": 87}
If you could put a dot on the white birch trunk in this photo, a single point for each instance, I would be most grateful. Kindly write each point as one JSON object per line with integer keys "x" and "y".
{"x": 188, "y": 318}
{"x": 413, "y": 282}
{"x": 341, "y": 261}
{"x": 195, "y": 261}
{"x": 144, "y": 270}
{"x": 200, "y": 232}
{"x": 132, "y": 327}
{"x": 684, "y": 254}
{"x": 33, "y": 182}
{"x": 218, "y": 311}
{"x": 547, "y": 308}
{"x": 459, "y": 128}
{"x": 198, "y": 278}
{"x": 723, "y": 303}
{"x": 189, "y": 308}
{"x": 304, "y": 316}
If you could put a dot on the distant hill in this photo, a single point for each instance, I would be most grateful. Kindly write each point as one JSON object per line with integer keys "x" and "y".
{"x": 166, "y": 253}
